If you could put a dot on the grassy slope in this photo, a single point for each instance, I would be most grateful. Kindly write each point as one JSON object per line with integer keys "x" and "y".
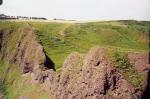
{"x": 121, "y": 35}
{"x": 11, "y": 82}
{"x": 124, "y": 35}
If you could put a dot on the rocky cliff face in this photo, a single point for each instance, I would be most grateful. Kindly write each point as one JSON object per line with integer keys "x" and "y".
{"x": 90, "y": 76}
{"x": 26, "y": 52}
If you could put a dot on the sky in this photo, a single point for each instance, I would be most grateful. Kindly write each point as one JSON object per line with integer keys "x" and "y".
{"x": 79, "y": 9}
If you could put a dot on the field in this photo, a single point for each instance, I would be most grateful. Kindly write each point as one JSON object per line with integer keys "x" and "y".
{"x": 60, "y": 39}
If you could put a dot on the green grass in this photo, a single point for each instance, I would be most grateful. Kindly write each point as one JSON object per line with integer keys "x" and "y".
{"x": 2, "y": 87}
{"x": 23, "y": 87}
{"x": 8, "y": 74}
{"x": 80, "y": 37}
{"x": 127, "y": 69}
{"x": 13, "y": 84}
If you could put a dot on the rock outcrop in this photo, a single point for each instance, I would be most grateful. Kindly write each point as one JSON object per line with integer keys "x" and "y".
{"x": 91, "y": 77}
{"x": 139, "y": 60}
{"x": 26, "y": 52}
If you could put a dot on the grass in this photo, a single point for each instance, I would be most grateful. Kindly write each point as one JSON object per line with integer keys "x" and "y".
{"x": 79, "y": 37}
{"x": 22, "y": 87}
{"x": 127, "y": 69}
{"x": 2, "y": 87}
{"x": 8, "y": 74}
{"x": 13, "y": 84}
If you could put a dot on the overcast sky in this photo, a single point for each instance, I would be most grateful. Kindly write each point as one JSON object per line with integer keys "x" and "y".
{"x": 79, "y": 9}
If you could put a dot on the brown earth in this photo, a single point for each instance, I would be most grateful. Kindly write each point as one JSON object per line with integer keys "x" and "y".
{"x": 139, "y": 60}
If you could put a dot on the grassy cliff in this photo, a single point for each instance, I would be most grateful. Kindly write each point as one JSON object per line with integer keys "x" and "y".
{"x": 61, "y": 39}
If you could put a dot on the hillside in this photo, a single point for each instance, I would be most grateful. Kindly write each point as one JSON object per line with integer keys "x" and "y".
{"x": 46, "y": 60}
{"x": 80, "y": 37}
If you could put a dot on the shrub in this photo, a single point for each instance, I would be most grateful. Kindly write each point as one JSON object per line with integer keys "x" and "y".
{"x": 122, "y": 61}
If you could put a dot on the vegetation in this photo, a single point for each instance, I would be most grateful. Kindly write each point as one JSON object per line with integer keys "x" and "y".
{"x": 127, "y": 69}
{"x": 80, "y": 37}
{"x": 77, "y": 37}
{"x": 2, "y": 87}
{"x": 122, "y": 61}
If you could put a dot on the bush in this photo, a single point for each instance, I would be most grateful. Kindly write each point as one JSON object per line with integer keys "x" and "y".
{"x": 122, "y": 61}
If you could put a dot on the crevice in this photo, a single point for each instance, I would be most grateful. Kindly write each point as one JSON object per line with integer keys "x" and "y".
{"x": 146, "y": 93}
{"x": 114, "y": 81}
{"x": 106, "y": 85}
{"x": 27, "y": 68}
{"x": 49, "y": 64}
{"x": 97, "y": 64}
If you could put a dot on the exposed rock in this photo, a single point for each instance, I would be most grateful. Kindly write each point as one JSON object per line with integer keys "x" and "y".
{"x": 68, "y": 76}
{"x": 1, "y": 96}
{"x": 139, "y": 60}
{"x": 93, "y": 77}
{"x": 28, "y": 54}
{"x": 72, "y": 60}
